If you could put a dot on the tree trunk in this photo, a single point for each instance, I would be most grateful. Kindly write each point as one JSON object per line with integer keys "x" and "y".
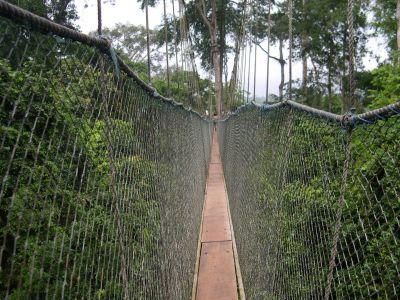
{"x": 232, "y": 83}
{"x": 218, "y": 79}
{"x": 316, "y": 73}
{"x": 398, "y": 24}
{"x": 60, "y": 14}
{"x": 282, "y": 63}
{"x": 215, "y": 51}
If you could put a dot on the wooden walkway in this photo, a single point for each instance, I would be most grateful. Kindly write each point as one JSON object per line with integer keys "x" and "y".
{"x": 216, "y": 278}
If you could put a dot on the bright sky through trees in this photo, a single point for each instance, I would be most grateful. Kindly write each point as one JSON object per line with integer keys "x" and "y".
{"x": 128, "y": 11}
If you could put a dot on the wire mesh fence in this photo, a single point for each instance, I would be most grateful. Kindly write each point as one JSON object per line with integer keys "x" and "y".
{"x": 315, "y": 204}
{"x": 102, "y": 181}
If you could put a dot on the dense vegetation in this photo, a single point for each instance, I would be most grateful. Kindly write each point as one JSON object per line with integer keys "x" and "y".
{"x": 56, "y": 211}
{"x": 284, "y": 172}
{"x": 91, "y": 171}
{"x": 307, "y": 197}
{"x": 91, "y": 180}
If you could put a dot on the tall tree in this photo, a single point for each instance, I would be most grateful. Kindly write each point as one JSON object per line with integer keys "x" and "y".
{"x": 279, "y": 35}
{"x": 131, "y": 40}
{"x": 212, "y": 26}
{"x": 387, "y": 21}
{"x": 60, "y": 11}
{"x": 326, "y": 44}
{"x": 240, "y": 31}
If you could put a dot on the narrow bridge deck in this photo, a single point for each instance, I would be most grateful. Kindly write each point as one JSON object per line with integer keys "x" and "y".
{"x": 216, "y": 274}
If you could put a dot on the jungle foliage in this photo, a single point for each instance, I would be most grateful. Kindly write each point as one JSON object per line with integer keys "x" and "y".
{"x": 91, "y": 172}
{"x": 53, "y": 199}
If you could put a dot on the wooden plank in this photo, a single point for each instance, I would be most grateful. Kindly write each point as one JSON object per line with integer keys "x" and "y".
{"x": 217, "y": 279}
{"x": 216, "y": 228}
{"x": 216, "y": 273}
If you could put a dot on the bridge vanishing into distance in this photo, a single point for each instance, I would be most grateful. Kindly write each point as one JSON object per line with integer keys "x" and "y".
{"x": 110, "y": 191}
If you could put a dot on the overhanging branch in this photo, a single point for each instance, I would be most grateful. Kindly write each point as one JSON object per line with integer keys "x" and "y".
{"x": 273, "y": 57}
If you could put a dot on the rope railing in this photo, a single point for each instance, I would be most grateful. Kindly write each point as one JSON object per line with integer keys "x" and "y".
{"x": 368, "y": 117}
{"x": 314, "y": 200}
{"x": 101, "y": 179}
{"x": 102, "y": 182}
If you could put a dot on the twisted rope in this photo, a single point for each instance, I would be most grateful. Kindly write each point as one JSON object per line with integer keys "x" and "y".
{"x": 268, "y": 50}
{"x": 166, "y": 44}
{"x": 175, "y": 41}
{"x": 44, "y": 25}
{"x": 350, "y": 23}
{"x": 148, "y": 42}
{"x": 99, "y": 18}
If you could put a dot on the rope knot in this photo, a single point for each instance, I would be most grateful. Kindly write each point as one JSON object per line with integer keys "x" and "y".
{"x": 348, "y": 118}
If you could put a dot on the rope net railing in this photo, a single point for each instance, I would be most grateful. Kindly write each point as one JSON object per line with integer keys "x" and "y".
{"x": 101, "y": 180}
{"x": 315, "y": 201}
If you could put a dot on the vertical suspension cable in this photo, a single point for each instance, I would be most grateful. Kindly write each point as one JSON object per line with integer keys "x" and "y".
{"x": 166, "y": 44}
{"x": 239, "y": 72}
{"x": 249, "y": 71}
{"x": 255, "y": 18}
{"x": 290, "y": 4}
{"x": 255, "y": 58}
{"x": 243, "y": 71}
{"x": 268, "y": 50}
{"x": 250, "y": 44}
{"x": 237, "y": 84}
{"x": 182, "y": 48}
{"x": 352, "y": 84}
{"x": 195, "y": 84}
{"x": 186, "y": 54}
{"x": 175, "y": 42}
{"x": 255, "y": 72}
{"x": 148, "y": 41}
{"x": 242, "y": 50}
{"x": 189, "y": 58}
{"x": 99, "y": 18}
{"x": 237, "y": 79}
{"x": 194, "y": 66}
{"x": 210, "y": 97}
{"x": 238, "y": 60}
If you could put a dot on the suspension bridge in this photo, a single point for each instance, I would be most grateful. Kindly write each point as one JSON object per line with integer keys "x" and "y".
{"x": 112, "y": 191}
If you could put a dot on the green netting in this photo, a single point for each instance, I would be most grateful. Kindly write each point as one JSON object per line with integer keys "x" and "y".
{"x": 102, "y": 183}
{"x": 286, "y": 179}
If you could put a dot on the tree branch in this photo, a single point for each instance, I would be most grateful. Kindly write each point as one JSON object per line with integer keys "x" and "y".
{"x": 273, "y": 57}
{"x": 201, "y": 8}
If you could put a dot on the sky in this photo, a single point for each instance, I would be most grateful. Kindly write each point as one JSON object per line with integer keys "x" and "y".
{"x": 128, "y": 11}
